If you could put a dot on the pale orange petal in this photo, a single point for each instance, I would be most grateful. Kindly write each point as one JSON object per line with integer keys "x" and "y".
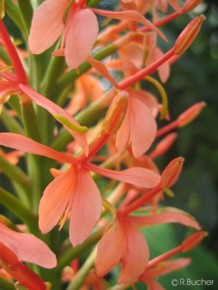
{"x": 86, "y": 208}
{"x": 138, "y": 176}
{"x": 55, "y": 110}
{"x": 143, "y": 127}
{"x": 55, "y": 199}
{"x": 109, "y": 250}
{"x": 81, "y": 36}
{"x": 47, "y": 25}
{"x": 27, "y": 247}
{"x": 102, "y": 70}
{"x": 135, "y": 255}
{"x": 130, "y": 15}
{"x": 167, "y": 266}
{"x": 123, "y": 134}
{"x": 28, "y": 145}
{"x": 167, "y": 215}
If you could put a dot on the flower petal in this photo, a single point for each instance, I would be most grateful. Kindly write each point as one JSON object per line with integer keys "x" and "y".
{"x": 28, "y": 145}
{"x": 143, "y": 127}
{"x": 81, "y": 36}
{"x": 47, "y": 25}
{"x": 55, "y": 111}
{"x": 135, "y": 256}
{"x": 123, "y": 134}
{"x": 109, "y": 250}
{"x": 27, "y": 247}
{"x": 166, "y": 267}
{"x": 86, "y": 207}
{"x": 138, "y": 176}
{"x": 55, "y": 199}
{"x": 130, "y": 15}
{"x": 167, "y": 215}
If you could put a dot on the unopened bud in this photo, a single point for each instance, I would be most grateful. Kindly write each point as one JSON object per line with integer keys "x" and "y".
{"x": 116, "y": 113}
{"x": 172, "y": 172}
{"x": 164, "y": 145}
{"x": 189, "y": 115}
{"x": 192, "y": 241}
{"x": 188, "y": 35}
{"x": 190, "y": 5}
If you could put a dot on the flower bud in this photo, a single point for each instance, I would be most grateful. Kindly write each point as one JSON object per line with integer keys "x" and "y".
{"x": 190, "y": 5}
{"x": 192, "y": 241}
{"x": 189, "y": 115}
{"x": 188, "y": 35}
{"x": 172, "y": 172}
{"x": 116, "y": 113}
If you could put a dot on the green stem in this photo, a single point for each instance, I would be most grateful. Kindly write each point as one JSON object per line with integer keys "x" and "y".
{"x": 15, "y": 173}
{"x": 73, "y": 253}
{"x": 6, "y": 285}
{"x": 14, "y": 13}
{"x": 54, "y": 70}
{"x": 17, "y": 207}
{"x": 26, "y": 13}
{"x": 10, "y": 122}
{"x": 80, "y": 276}
{"x": 33, "y": 162}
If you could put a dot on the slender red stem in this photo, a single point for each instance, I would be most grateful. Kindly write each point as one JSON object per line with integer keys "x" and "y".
{"x": 162, "y": 21}
{"x": 169, "y": 127}
{"x": 18, "y": 67}
{"x": 139, "y": 202}
{"x": 164, "y": 257}
{"x": 146, "y": 71}
{"x": 99, "y": 143}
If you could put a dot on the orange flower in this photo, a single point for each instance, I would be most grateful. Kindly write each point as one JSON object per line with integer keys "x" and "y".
{"x": 138, "y": 128}
{"x": 123, "y": 244}
{"x": 73, "y": 192}
{"x": 16, "y": 247}
{"x": 48, "y": 24}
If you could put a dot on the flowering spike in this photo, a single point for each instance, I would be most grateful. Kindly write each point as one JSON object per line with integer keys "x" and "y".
{"x": 190, "y": 5}
{"x": 188, "y": 35}
{"x": 171, "y": 173}
{"x": 192, "y": 241}
{"x": 189, "y": 115}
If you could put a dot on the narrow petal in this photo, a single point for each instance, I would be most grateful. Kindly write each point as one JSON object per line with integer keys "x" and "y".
{"x": 28, "y": 145}
{"x": 109, "y": 250}
{"x": 47, "y": 25}
{"x": 152, "y": 284}
{"x": 130, "y": 15}
{"x": 135, "y": 256}
{"x": 138, "y": 176}
{"x": 55, "y": 199}
{"x": 27, "y": 247}
{"x": 86, "y": 207}
{"x": 168, "y": 215}
{"x": 81, "y": 36}
{"x": 55, "y": 110}
{"x": 102, "y": 70}
{"x": 143, "y": 127}
{"x": 167, "y": 266}
{"x": 123, "y": 134}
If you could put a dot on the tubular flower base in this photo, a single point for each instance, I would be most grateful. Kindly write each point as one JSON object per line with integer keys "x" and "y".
{"x": 80, "y": 142}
